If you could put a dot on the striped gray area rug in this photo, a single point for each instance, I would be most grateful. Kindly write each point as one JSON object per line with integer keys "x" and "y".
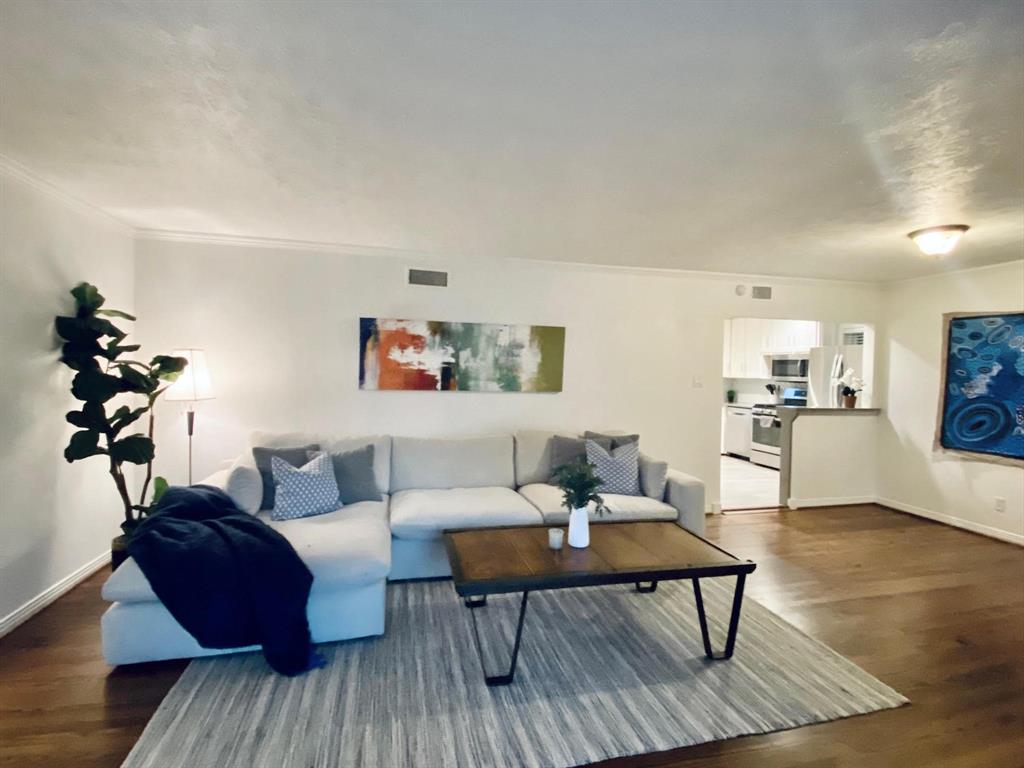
{"x": 603, "y": 672}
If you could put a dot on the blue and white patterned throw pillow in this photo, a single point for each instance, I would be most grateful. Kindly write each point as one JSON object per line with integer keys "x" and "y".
{"x": 618, "y": 469}
{"x": 304, "y": 491}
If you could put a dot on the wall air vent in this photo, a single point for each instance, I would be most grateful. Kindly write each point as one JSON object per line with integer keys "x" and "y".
{"x": 761, "y": 292}
{"x": 428, "y": 277}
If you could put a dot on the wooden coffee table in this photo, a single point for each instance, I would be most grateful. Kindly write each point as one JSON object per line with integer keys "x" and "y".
{"x": 491, "y": 561}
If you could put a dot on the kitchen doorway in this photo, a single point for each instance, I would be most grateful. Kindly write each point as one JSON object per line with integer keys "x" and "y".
{"x": 751, "y": 456}
{"x": 768, "y": 364}
{"x": 747, "y": 486}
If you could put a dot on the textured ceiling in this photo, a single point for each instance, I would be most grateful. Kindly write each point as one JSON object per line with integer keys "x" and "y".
{"x": 777, "y": 138}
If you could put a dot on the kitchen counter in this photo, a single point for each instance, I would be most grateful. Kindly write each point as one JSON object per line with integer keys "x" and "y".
{"x": 795, "y": 410}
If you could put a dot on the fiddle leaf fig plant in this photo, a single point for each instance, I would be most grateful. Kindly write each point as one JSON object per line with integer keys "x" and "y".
{"x": 93, "y": 348}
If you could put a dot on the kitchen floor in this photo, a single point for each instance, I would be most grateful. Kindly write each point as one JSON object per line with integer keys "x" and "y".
{"x": 748, "y": 486}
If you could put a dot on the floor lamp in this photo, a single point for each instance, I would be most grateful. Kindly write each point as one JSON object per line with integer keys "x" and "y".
{"x": 194, "y": 384}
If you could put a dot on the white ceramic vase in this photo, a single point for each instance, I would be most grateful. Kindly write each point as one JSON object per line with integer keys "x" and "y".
{"x": 579, "y": 528}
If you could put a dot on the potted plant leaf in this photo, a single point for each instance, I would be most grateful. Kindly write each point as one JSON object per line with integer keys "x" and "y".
{"x": 105, "y": 372}
{"x": 579, "y": 487}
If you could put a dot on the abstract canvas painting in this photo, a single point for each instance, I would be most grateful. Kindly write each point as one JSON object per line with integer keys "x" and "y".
{"x": 981, "y": 410}
{"x": 466, "y": 357}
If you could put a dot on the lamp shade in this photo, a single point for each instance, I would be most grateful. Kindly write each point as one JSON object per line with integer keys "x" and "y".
{"x": 194, "y": 383}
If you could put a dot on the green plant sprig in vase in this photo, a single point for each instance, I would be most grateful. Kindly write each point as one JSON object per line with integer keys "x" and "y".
{"x": 93, "y": 348}
{"x": 579, "y": 483}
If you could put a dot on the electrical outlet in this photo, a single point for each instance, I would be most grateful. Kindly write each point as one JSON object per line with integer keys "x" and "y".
{"x": 1000, "y": 504}
{"x": 698, "y": 382}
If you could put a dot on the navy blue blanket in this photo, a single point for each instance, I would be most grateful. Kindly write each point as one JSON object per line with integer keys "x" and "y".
{"x": 227, "y": 577}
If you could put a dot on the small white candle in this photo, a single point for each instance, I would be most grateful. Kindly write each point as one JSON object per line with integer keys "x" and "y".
{"x": 555, "y": 538}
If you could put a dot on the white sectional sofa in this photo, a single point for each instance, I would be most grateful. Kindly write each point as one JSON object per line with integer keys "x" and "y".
{"x": 428, "y": 486}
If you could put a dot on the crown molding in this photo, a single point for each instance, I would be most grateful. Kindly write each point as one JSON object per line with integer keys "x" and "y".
{"x": 349, "y": 249}
{"x": 19, "y": 172}
{"x": 276, "y": 243}
{"x": 896, "y": 284}
{"x": 743, "y": 277}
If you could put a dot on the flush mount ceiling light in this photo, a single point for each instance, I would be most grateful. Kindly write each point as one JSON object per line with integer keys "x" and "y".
{"x": 938, "y": 241}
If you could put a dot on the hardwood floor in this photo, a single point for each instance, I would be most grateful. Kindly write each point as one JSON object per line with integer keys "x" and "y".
{"x": 935, "y": 612}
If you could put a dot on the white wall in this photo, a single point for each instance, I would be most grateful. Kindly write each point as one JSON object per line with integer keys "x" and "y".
{"x": 56, "y": 519}
{"x": 912, "y": 476}
{"x": 281, "y": 330}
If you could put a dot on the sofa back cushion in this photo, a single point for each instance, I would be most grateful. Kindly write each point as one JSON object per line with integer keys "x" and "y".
{"x": 474, "y": 462}
{"x": 335, "y": 444}
{"x": 533, "y": 456}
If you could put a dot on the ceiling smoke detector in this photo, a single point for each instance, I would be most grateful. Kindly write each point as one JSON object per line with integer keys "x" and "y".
{"x": 938, "y": 241}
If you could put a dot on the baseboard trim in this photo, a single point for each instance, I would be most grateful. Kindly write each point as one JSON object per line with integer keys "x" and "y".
{"x": 830, "y": 501}
{"x": 956, "y": 522}
{"x": 20, "y": 615}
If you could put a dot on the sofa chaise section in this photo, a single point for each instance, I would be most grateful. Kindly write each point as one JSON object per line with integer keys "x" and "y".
{"x": 348, "y": 552}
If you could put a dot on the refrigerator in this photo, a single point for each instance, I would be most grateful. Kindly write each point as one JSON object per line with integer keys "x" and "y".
{"x": 824, "y": 367}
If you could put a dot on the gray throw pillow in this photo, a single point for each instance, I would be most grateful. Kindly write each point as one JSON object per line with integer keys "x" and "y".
{"x": 616, "y": 440}
{"x": 653, "y": 477}
{"x": 262, "y": 456}
{"x": 566, "y": 450}
{"x": 353, "y": 472}
{"x": 619, "y": 469}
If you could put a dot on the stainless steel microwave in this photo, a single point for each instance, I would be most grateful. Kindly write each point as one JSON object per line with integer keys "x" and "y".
{"x": 790, "y": 368}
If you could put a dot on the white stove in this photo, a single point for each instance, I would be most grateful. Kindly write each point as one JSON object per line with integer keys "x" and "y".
{"x": 766, "y": 429}
{"x": 765, "y": 434}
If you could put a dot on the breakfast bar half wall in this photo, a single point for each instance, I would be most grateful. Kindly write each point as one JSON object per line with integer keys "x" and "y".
{"x": 829, "y": 456}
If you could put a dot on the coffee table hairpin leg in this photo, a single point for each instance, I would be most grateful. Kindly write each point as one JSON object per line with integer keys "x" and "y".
{"x": 734, "y": 619}
{"x": 497, "y": 680}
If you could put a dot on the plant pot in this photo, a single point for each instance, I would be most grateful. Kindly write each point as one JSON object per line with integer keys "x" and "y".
{"x": 849, "y": 401}
{"x": 118, "y": 551}
{"x": 579, "y": 528}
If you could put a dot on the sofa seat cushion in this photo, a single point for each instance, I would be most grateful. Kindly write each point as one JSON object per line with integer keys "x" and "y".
{"x": 425, "y": 513}
{"x": 548, "y": 500}
{"x": 351, "y": 546}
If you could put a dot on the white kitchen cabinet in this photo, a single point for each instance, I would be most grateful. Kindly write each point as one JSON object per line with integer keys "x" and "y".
{"x": 743, "y": 355}
{"x": 732, "y": 355}
{"x": 802, "y": 334}
{"x": 749, "y": 342}
{"x": 757, "y": 337}
{"x": 727, "y": 350}
{"x": 788, "y": 337}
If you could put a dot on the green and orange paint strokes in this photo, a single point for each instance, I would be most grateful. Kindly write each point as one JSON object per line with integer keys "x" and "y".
{"x": 466, "y": 357}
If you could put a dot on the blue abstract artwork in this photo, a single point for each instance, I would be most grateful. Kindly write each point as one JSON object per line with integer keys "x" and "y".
{"x": 982, "y": 408}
